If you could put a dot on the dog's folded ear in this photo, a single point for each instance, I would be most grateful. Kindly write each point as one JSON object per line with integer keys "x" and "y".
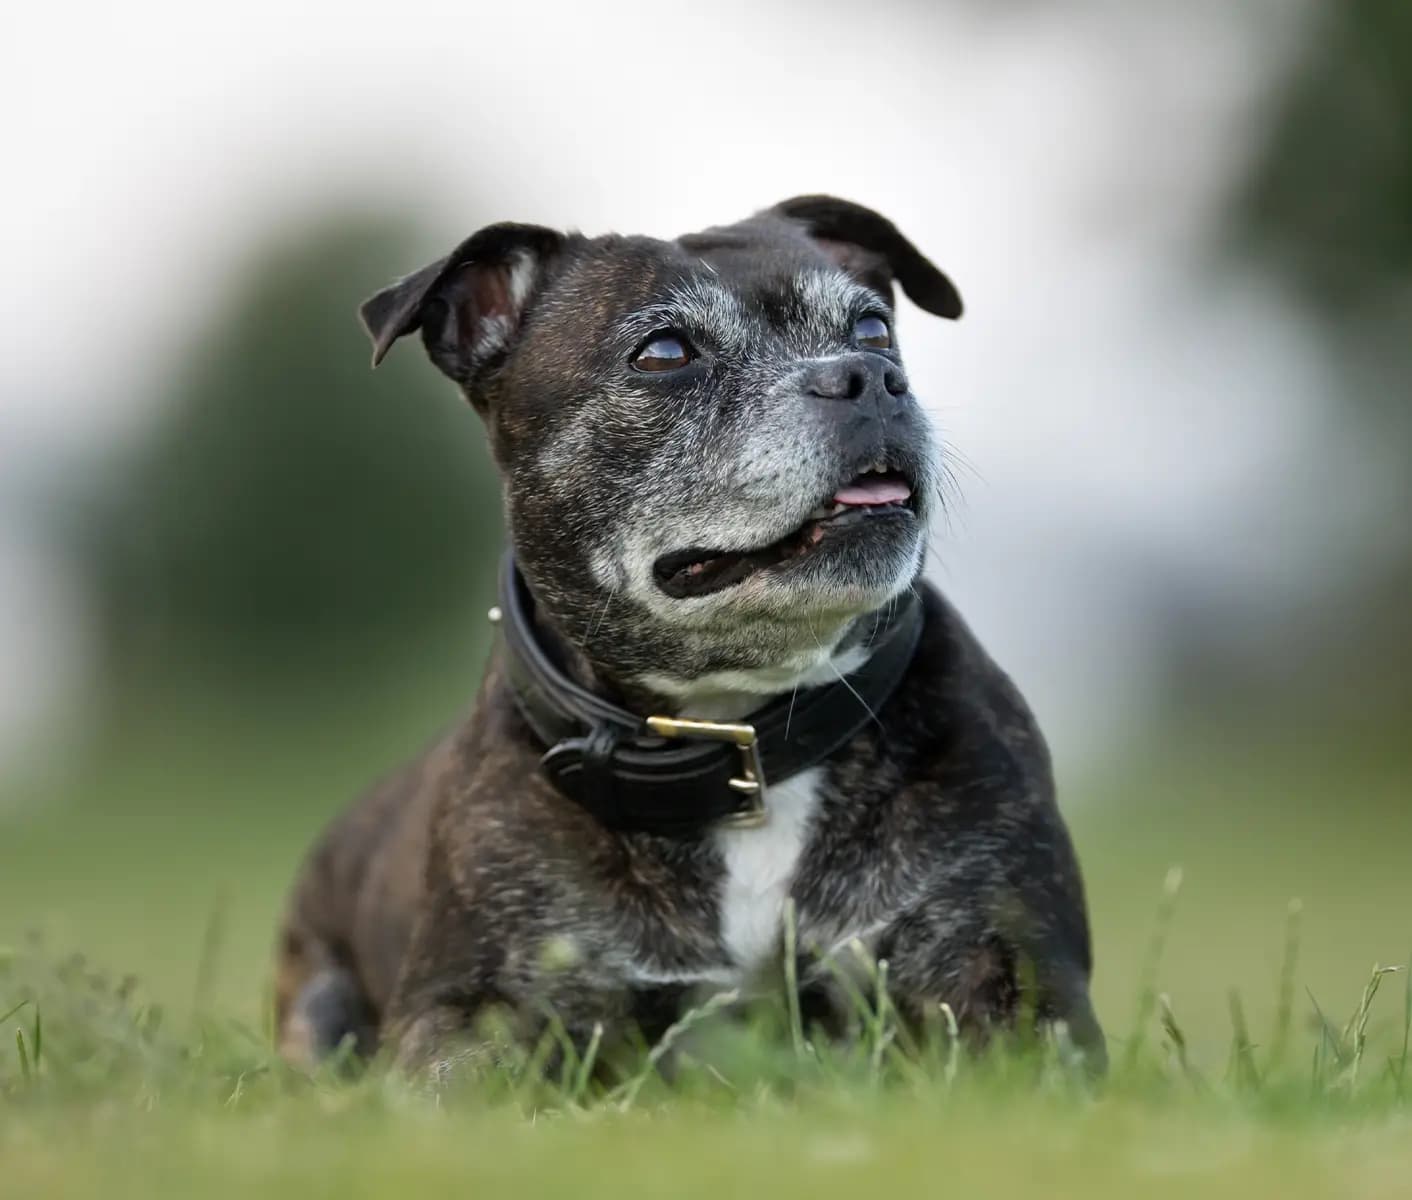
{"x": 870, "y": 247}
{"x": 468, "y": 305}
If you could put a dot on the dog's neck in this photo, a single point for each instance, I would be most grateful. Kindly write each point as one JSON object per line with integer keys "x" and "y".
{"x": 726, "y": 695}
{"x": 732, "y": 695}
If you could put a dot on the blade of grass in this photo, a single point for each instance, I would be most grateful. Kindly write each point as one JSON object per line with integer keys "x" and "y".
{"x": 1357, "y": 1029}
{"x": 24, "y": 1055}
{"x": 953, "y": 1050}
{"x": 586, "y": 1064}
{"x": 1027, "y": 1006}
{"x": 879, "y": 1031}
{"x": 1284, "y": 1007}
{"x": 212, "y": 942}
{"x": 568, "y": 1069}
{"x": 1067, "y": 1055}
{"x": 1247, "y": 1077}
{"x": 1406, "y": 1029}
{"x": 843, "y": 977}
{"x": 13, "y": 1011}
{"x": 1147, "y": 989}
{"x": 624, "y": 1095}
{"x": 531, "y": 1082}
{"x": 791, "y": 977}
{"x": 1177, "y": 1038}
{"x": 342, "y": 1063}
{"x": 269, "y": 1023}
{"x": 1328, "y": 1040}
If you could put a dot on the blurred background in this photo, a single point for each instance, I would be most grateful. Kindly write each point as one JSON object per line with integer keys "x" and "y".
{"x": 240, "y": 574}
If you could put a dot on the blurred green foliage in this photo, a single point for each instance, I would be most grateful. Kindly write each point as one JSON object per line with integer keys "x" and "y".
{"x": 1330, "y": 201}
{"x": 1327, "y": 212}
{"x": 290, "y": 506}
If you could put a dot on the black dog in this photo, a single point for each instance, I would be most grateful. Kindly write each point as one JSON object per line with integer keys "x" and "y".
{"x": 722, "y": 684}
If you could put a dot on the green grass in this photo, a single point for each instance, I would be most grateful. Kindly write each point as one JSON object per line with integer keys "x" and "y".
{"x": 1255, "y": 1050}
{"x": 107, "y": 1094}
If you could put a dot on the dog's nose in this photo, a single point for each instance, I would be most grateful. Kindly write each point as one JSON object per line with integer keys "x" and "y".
{"x": 854, "y": 377}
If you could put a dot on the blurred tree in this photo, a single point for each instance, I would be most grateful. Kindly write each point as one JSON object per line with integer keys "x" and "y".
{"x": 289, "y": 505}
{"x": 1330, "y": 200}
{"x": 1327, "y": 209}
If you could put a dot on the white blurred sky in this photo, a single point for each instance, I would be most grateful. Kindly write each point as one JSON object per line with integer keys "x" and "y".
{"x": 1131, "y": 413}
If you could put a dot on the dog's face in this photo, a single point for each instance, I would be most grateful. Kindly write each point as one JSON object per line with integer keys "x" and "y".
{"x": 712, "y": 459}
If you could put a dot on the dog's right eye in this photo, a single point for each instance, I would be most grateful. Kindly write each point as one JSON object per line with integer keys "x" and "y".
{"x": 662, "y": 352}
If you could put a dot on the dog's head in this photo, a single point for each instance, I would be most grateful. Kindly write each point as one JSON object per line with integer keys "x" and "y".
{"x": 712, "y": 459}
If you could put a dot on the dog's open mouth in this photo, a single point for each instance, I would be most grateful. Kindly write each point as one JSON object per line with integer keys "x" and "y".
{"x": 698, "y": 571}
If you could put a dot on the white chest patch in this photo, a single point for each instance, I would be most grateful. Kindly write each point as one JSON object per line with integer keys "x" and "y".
{"x": 760, "y": 866}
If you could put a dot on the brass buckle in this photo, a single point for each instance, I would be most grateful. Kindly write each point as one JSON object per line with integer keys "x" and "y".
{"x": 751, "y": 780}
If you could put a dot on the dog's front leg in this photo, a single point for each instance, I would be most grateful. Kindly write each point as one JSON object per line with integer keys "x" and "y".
{"x": 460, "y": 1027}
{"x": 464, "y": 1003}
{"x": 444, "y": 1004}
{"x": 488, "y": 1032}
{"x": 432, "y": 1042}
{"x": 993, "y": 962}
{"x": 439, "y": 1019}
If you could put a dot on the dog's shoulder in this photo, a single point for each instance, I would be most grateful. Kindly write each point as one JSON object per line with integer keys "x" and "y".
{"x": 957, "y": 717}
{"x": 977, "y": 778}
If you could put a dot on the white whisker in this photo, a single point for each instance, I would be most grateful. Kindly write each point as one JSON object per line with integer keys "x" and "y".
{"x": 841, "y": 678}
{"x": 602, "y": 613}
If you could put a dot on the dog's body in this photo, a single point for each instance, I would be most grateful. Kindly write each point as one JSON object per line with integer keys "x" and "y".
{"x": 717, "y": 484}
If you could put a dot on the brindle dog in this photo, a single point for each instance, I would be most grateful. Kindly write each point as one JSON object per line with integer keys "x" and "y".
{"x": 717, "y": 484}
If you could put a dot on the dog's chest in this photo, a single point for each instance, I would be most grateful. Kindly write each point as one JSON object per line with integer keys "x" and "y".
{"x": 760, "y": 867}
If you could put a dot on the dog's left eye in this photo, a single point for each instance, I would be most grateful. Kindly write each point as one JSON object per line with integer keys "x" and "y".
{"x": 664, "y": 352}
{"x": 872, "y": 331}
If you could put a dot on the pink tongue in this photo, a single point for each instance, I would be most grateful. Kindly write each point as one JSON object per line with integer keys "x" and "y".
{"x": 873, "y": 491}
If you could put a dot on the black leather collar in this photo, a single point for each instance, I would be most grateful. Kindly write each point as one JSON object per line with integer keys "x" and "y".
{"x": 677, "y": 776}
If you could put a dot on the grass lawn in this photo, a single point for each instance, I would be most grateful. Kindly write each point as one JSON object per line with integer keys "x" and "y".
{"x": 165, "y": 853}
{"x": 109, "y": 1097}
